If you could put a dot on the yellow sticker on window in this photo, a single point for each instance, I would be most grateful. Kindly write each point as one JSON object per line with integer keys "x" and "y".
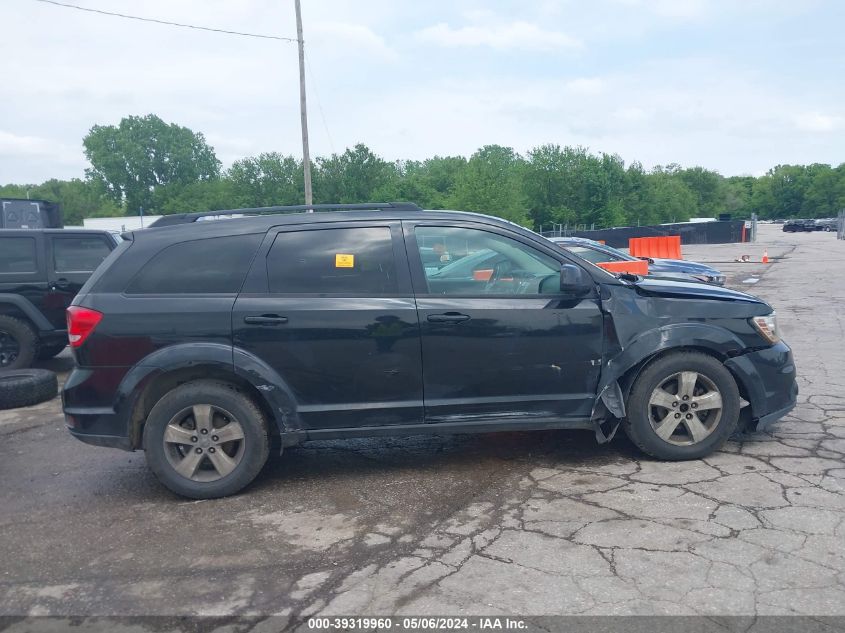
{"x": 344, "y": 260}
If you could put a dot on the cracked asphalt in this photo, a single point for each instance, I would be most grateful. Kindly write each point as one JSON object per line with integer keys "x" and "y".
{"x": 513, "y": 523}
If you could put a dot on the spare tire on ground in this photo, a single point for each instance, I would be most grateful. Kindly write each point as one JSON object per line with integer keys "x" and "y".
{"x": 24, "y": 387}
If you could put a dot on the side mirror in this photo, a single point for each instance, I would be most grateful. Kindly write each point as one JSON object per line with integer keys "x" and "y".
{"x": 574, "y": 280}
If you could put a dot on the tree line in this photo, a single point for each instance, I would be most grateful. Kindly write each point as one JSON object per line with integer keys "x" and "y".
{"x": 146, "y": 163}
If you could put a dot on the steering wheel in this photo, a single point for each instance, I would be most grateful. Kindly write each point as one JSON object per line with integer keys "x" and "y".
{"x": 499, "y": 271}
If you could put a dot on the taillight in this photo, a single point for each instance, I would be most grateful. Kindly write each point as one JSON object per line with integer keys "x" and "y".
{"x": 80, "y": 323}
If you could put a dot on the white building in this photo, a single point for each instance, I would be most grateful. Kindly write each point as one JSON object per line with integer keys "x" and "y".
{"x": 120, "y": 223}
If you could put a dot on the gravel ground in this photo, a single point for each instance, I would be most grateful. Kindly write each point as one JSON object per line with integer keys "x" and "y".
{"x": 516, "y": 523}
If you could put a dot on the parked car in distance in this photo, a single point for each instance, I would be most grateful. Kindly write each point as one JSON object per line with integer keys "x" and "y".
{"x": 200, "y": 342}
{"x": 826, "y": 224}
{"x": 41, "y": 271}
{"x": 596, "y": 253}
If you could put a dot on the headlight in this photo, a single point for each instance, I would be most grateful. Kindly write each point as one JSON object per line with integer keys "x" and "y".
{"x": 767, "y": 326}
{"x": 710, "y": 279}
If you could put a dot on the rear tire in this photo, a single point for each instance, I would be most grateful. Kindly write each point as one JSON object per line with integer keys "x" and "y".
{"x": 18, "y": 343}
{"x": 684, "y": 405}
{"x": 206, "y": 439}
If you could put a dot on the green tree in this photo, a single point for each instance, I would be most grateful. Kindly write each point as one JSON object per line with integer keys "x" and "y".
{"x": 738, "y": 192}
{"x": 429, "y": 183}
{"x": 267, "y": 180}
{"x": 203, "y": 195}
{"x": 79, "y": 199}
{"x": 707, "y": 187}
{"x": 825, "y": 194}
{"x": 492, "y": 183}
{"x": 141, "y": 154}
{"x": 357, "y": 175}
{"x": 669, "y": 196}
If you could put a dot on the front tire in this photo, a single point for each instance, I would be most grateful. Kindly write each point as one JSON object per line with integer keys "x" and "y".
{"x": 684, "y": 405}
{"x": 206, "y": 439}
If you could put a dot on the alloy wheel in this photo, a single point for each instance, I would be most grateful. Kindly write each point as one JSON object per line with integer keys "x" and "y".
{"x": 204, "y": 443}
{"x": 685, "y": 408}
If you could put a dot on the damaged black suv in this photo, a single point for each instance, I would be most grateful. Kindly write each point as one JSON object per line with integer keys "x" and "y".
{"x": 204, "y": 342}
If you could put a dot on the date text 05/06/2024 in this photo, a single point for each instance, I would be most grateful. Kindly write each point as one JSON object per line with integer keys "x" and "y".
{"x": 427, "y": 623}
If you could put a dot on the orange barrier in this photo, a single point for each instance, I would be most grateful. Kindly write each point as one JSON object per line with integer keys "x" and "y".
{"x": 639, "y": 267}
{"x": 668, "y": 247}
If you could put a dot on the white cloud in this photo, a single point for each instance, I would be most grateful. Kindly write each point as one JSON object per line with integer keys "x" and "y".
{"x": 511, "y": 36}
{"x": 673, "y": 9}
{"x": 586, "y": 86}
{"x": 818, "y": 122}
{"x": 35, "y": 146}
{"x": 353, "y": 39}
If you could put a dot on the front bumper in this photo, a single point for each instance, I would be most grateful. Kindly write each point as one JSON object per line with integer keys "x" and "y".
{"x": 768, "y": 379}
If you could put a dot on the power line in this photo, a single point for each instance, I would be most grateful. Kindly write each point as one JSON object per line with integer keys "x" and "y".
{"x": 167, "y": 23}
{"x": 319, "y": 104}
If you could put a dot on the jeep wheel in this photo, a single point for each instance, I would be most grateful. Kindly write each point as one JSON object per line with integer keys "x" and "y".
{"x": 206, "y": 439}
{"x": 18, "y": 343}
{"x": 682, "y": 406}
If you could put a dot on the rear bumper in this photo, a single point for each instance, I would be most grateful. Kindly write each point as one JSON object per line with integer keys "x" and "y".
{"x": 109, "y": 441}
{"x": 93, "y": 413}
{"x": 768, "y": 378}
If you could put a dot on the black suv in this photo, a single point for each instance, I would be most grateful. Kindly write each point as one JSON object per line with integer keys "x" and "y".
{"x": 204, "y": 341}
{"x": 40, "y": 273}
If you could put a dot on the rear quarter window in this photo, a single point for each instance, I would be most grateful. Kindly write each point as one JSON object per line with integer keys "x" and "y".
{"x": 215, "y": 265}
{"x": 79, "y": 254}
{"x": 17, "y": 255}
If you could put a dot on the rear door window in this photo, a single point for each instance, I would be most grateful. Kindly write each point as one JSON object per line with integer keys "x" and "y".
{"x": 80, "y": 254}
{"x": 215, "y": 265}
{"x": 18, "y": 255}
{"x": 342, "y": 261}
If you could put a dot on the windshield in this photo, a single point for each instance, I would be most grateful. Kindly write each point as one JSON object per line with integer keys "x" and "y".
{"x": 596, "y": 255}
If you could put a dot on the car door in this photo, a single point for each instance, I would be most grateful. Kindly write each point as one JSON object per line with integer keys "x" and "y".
{"x": 71, "y": 258}
{"x": 505, "y": 343}
{"x": 330, "y": 307}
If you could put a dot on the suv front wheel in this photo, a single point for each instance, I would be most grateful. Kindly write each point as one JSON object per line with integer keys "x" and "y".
{"x": 684, "y": 405}
{"x": 206, "y": 439}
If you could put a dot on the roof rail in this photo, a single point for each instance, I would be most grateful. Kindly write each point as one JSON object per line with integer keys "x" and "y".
{"x": 187, "y": 218}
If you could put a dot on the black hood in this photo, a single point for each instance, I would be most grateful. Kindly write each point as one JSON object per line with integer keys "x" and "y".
{"x": 691, "y": 290}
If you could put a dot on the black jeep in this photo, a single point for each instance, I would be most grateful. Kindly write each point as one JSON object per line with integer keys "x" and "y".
{"x": 40, "y": 273}
{"x": 202, "y": 341}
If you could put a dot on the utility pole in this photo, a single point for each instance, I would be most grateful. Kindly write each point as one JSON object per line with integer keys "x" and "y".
{"x": 303, "y": 110}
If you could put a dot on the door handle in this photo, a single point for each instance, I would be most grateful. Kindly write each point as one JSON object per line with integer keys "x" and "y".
{"x": 60, "y": 283}
{"x": 265, "y": 319}
{"x": 448, "y": 317}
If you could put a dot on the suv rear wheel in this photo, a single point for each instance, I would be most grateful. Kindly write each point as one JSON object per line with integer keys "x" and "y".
{"x": 18, "y": 343}
{"x": 682, "y": 406}
{"x": 206, "y": 439}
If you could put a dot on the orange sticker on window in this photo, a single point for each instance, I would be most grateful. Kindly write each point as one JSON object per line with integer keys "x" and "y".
{"x": 344, "y": 260}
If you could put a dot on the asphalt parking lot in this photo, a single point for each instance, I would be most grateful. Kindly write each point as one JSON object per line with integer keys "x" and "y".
{"x": 515, "y": 523}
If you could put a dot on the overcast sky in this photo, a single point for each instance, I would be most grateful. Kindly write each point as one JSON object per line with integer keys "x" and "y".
{"x": 734, "y": 85}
